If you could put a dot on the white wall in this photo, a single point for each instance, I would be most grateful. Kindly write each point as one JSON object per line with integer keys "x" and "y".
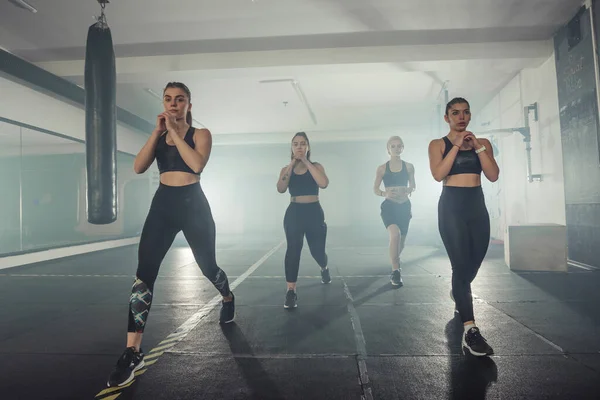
{"x": 29, "y": 106}
{"x": 32, "y": 107}
{"x": 240, "y": 184}
{"x": 512, "y": 200}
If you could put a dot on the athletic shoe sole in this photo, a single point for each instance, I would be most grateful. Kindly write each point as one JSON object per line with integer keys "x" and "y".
{"x": 131, "y": 376}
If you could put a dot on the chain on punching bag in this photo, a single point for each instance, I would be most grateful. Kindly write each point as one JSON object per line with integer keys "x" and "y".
{"x": 100, "y": 123}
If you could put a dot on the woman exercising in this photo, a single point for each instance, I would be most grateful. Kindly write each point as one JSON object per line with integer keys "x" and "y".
{"x": 304, "y": 215}
{"x": 458, "y": 160}
{"x": 181, "y": 152}
{"x": 398, "y": 178}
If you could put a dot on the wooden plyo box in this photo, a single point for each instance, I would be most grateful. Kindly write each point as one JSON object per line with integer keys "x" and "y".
{"x": 536, "y": 247}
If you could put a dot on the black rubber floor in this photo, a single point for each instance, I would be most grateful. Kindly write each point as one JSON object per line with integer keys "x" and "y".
{"x": 63, "y": 323}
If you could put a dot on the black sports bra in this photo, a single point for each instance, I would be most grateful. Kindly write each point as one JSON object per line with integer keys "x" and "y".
{"x": 466, "y": 161}
{"x": 399, "y": 178}
{"x": 303, "y": 184}
{"x": 168, "y": 157}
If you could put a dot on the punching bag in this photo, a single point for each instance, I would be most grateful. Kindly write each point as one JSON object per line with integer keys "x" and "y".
{"x": 100, "y": 125}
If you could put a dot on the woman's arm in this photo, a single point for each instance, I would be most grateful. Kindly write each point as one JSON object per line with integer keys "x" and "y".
{"x": 145, "y": 158}
{"x": 318, "y": 173}
{"x": 378, "y": 179}
{"x": 439, "y": 165}
{"x": 412, "y": 185}
{"x": 195, "y": 158}
{"x": 284, "y": 177}
{"x": 486, "y": 157}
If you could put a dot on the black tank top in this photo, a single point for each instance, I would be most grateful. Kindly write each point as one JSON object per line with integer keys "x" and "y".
{"x": 466, "y": 161}
{"x": 399, "y": 178}
{"x": 303, "y": 185}
{"x": 168, "y": 157}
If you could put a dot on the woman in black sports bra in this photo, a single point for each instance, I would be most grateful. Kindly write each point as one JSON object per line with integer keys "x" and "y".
{"x": 458, "y": 160}
{"x": 304, "y": 216}
{"x": 398, "y": 178}
{"x": 179, "y": 204}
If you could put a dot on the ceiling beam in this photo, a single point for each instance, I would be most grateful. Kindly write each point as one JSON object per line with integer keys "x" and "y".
{"x": 369, "y": 38}
{"x": 307, "y": 57}
{"x": 32, "y": 76}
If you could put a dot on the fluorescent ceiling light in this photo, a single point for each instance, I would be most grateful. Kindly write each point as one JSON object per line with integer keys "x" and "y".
{"x": 24, "y": 5}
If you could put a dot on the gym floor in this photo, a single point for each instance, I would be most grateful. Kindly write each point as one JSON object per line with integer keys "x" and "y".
{"x": 63, "y": 325}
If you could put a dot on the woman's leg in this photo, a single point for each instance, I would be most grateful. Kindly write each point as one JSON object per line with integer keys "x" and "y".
{"x": 294, "y": 234}
{"x": 403, "y": 224}
{"x": 396, "y": 218}
{"x": 395, "y": 240}
{"x": 456, "y": 238}
{"x": 462, "y": 216}
{"x": 157, "y": 236}
{"x": 200, "y": 232}
{"x": 479, "y": 233}
{"x": 316, "y": 237}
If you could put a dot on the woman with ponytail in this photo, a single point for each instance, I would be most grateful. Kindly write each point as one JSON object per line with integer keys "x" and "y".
{"x": 304, "y": 216}
{"x": 181, "y": 152}
{"x": 458, "y": 160}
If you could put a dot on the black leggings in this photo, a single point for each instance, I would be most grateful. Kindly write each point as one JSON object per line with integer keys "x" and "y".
{"x": 304, "y": 219}
{"x": 173, "y": 209}
{"x": 464, "y": 225}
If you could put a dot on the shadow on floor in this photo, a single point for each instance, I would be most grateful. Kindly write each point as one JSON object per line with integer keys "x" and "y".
{"x": 255, "y": 376}
{"x": 470, "y": 377}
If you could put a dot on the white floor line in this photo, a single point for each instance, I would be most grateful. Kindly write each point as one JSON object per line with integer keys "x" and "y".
{"x": 191, "y": 323}
{"x": 185, "y": 328}
{"x": 361, "y": 347}
{"x": 52, "y": 254}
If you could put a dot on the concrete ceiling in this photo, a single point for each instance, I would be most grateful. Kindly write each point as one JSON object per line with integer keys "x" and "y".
{"x": 262, "y": 68}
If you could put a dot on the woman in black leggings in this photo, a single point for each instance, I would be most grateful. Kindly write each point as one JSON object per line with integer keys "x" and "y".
{"x": 179, "y": 204}
{"x": 304, "y": 215}
{"x": 458, "y": 160}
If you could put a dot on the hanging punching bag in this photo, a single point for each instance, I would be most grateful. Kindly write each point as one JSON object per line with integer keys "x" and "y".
{"x": 100, "y": 125}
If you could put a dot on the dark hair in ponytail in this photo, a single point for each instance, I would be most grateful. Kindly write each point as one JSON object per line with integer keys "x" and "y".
{"x": 179, "y": 85}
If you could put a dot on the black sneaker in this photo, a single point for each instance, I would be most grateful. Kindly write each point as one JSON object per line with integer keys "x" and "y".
{"x": 325, "y": 278}
{"x": 476, "y": 344}
{"x": 227, "y": 310}
{"x": 129, "y": 362}
{"x": 291, "y": 299}
{"x": 396, "y": 278}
